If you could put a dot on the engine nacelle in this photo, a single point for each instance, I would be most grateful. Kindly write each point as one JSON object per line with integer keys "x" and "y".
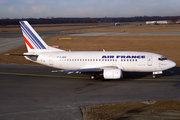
{"x": 112, "y": 73}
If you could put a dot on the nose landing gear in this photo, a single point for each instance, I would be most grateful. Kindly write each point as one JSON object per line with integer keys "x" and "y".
{"x": 155, "y": 73}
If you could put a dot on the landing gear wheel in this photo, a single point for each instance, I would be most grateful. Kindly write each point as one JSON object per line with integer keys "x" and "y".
{"x": 93, "y": 77}
{"x": 154, "y": 76}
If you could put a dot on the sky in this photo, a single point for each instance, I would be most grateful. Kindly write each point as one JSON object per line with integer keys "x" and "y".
{"x": 87, "y": 8}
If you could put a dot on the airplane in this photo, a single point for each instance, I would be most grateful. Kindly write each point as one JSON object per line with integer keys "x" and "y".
{"x": 107, "y": 64}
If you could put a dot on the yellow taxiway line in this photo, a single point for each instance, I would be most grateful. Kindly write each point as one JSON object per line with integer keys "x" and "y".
{"x": 156, "y": 79}
{"x": 10, "y": 42}
{"x": 38, "y": 75}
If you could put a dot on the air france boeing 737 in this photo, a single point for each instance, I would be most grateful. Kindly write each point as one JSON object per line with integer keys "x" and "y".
{"x": 109, "y": 65}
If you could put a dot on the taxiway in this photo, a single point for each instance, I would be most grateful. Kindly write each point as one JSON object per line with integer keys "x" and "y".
{"x": 33, "y": 92}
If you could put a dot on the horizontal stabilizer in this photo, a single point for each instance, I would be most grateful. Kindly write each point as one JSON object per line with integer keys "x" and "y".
{"x": 23, "y": 55}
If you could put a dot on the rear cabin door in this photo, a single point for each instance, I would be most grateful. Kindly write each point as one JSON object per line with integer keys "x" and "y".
{"x": 50, "y": 60}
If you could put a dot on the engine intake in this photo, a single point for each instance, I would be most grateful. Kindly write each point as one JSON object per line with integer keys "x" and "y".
{"x": 112, "y": 73}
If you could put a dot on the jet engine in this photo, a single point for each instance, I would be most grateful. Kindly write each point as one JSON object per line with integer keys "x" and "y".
{"x": 112, "y": 73}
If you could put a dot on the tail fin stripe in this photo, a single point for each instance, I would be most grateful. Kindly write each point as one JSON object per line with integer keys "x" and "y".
{"x": 27, "y": 42}
{"x": 30, "y": 39}
{"x": 28, "y": 35}
{"x": 34, "y": 38}
{"x": 31, "y": 36}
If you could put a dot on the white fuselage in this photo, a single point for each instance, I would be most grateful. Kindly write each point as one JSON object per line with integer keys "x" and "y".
{"x": 110, "y": 64}
{"x": 126, "y": 61}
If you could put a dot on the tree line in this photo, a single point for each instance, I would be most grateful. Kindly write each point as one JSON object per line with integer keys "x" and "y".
{"x": 52, "y": 20}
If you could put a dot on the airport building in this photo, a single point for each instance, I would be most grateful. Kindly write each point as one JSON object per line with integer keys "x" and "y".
{"x": 156, "y": 22}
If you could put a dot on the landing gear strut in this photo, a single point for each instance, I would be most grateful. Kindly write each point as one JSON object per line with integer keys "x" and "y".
{"x": 156, "y": 73}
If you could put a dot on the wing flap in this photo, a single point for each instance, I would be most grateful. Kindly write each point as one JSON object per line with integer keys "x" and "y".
{"x": 84, "y": 70}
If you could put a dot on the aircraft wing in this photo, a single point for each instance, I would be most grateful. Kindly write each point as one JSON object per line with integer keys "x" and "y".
{"x": 89, "y": 70}
{"x": 86, "y": 70}
{"x": 83, "y": 70}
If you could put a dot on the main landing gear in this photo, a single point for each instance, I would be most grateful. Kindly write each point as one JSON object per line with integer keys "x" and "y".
{"x": 92, "y": 77}
{"x": 96, "y": 76}
{"x": 153, "y": 76}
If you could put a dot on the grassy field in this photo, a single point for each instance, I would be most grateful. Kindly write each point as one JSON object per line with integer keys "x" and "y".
{"x": 39, "y": 29}
{"x": 49, "y": 27}
{"x": 94, "y": 28}
{"x": 160, "y": 110}
{"x": 132, "y": 28}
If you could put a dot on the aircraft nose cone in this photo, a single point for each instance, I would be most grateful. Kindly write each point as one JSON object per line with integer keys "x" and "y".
{"x": 172, "y": 64}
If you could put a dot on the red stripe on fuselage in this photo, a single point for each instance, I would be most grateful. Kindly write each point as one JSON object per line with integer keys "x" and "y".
{"x": 28, "y": 43}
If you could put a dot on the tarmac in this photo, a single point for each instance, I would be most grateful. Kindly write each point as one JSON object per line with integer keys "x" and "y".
{"x": 33, "y": 92}
{"x": 128, "y": 34}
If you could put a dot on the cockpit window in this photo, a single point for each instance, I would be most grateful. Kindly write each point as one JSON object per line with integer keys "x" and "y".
{"x": 162, "y": 58}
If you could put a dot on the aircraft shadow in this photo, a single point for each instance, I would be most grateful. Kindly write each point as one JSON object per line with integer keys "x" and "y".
{"x": 148, "y": 75}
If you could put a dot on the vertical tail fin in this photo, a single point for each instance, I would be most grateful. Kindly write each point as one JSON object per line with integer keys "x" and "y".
{"x": 34, "y": 42}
